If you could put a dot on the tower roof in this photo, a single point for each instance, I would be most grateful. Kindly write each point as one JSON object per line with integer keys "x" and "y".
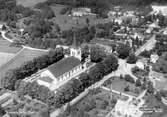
{"x": 74, "y": 44}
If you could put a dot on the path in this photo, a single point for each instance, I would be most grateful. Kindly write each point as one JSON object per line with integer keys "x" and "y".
{"x": 147, "y": 46}
{"x": 10, "y": 40}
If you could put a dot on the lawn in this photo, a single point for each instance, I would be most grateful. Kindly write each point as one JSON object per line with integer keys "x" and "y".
{"x": 119, "y": 85}
{"x": 23, "y": 56}
{"x": 6, "y": 48}
{"x": 96, "y": 104}
{"x": 29, "y": 3}
{"x": 4, "y": 57}
{"x": 66, "y": 22}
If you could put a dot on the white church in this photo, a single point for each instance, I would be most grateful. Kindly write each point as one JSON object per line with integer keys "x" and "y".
{"x": 63, "y": 70}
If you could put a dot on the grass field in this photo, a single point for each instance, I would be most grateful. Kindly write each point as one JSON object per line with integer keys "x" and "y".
{"x": 6, "y": 48}
{"x": 29, "y": 3}
{"x": 23, "y": 56}
{"x": 65, "y": 22}
{"x": 4, "y": 57}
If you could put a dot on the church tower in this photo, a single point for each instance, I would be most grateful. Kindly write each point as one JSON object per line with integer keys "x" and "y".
{"x": 75, "y": 50}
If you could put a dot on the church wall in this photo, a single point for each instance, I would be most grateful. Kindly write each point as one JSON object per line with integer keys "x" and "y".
{"x": 40, "y": 82}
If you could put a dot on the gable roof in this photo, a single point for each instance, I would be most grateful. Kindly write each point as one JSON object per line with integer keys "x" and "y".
{"x": 63, "y": 66}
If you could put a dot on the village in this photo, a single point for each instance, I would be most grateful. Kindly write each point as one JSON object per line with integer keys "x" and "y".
{"x": 83, "y": 65}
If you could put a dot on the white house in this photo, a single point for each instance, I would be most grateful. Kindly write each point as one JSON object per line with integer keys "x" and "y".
{"x": 79, "y": 12}
{"x": 154, "y": 58}
{"x": 160, "y": 9}
{"x": 127, "y": 109}
{"x": 111, "y": 13}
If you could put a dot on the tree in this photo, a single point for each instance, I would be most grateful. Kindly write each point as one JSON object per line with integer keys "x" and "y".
{"x": 131, "y": 59}
{"x": 146, "y": 54}
{"x": 138, "y": 83}
{"x": 123, "y": 51}
{"x": 110, "y": 63}
{"x": 39, "y": 28}
{"x": 85, "y": 52}
{"x": 126, "y": 88}
{"x": 128, "y": 78}
{"x": 95, "y": 74}
{"x": 158, "y": 96}
{"x": 150, "y": 88}
{"x": 87, "y": 21}
{"x": 2, "y": 111}
{"x": 97, "y": 54}
{"x": 144, "y": 86}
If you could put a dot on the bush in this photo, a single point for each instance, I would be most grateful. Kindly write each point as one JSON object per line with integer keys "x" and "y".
{"x": 127, "y": 88}
{"x": 132, "y": 59}
{"x": 138, "y": 83}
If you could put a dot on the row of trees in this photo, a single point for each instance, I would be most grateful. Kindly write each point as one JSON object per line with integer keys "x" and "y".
{"x": 13, "y": 76}
{"x": 73, "y": 88}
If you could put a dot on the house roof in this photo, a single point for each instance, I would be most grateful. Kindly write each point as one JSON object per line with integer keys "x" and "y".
{"x": 46, "y": 79}
{"x": 63, "y": 66}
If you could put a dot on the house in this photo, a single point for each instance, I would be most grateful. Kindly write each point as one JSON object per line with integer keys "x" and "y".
{"x": 63, "y": 70}
{"x": 117, "y": 8}
{"x": 128, "y": 108}
{"x": 111, "y": 13}
{"x": 160, "y": 9}
{"x": 79, "y": 12}
{"x": 142, "y": 63}
{"x": 154, "y": 58}
{"x": 140, "y": 36}
{"x": 118, "y": 20}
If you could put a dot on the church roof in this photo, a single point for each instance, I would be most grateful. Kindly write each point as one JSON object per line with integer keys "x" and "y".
{"x": 63, "y": 66}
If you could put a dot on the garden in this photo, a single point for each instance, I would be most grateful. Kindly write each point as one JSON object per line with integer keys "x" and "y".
{"x": 98, "y": 103}
{"x": 125, "y": 85}
{"x": 153, "y": 102}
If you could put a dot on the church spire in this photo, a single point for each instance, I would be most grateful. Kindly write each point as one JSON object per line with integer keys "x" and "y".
{"x": 74, "y": 44}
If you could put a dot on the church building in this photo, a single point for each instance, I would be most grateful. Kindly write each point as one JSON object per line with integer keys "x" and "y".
{"x": 63, "y": 70}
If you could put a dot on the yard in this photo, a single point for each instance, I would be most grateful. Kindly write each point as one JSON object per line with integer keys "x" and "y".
{"x": 23, "y": 56}
{"x": 96, "y": 104}
{"x": 120, "y": 85}
{"x": 29, "y": 3}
